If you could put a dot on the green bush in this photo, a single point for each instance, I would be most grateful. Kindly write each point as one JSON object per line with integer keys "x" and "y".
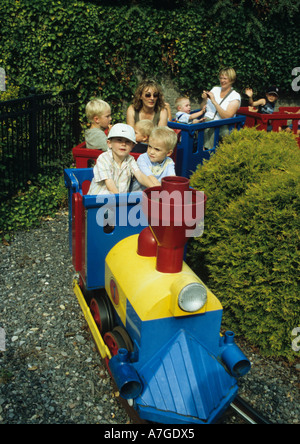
{"x": 251, "y": 241}
{"x": 25, "y": 210}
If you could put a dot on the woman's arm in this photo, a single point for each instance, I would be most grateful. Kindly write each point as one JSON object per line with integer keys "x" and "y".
{"x": 130, "y": 116}
{"x": 231, "y": 108}
{"x": 163, "y": 117}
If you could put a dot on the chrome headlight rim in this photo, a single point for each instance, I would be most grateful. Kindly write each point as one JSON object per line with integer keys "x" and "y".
{"x": 192, "y": 297}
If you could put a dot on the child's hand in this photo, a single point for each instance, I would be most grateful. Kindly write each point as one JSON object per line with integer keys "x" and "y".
{"x": 249, "y": 92}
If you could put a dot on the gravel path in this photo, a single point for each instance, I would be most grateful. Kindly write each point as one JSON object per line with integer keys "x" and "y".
{"x": 51, "y": 372}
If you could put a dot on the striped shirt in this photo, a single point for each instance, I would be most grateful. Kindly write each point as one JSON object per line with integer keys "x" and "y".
{"x": 107, "y": 168}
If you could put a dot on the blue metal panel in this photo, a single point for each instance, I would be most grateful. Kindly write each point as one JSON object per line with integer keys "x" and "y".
{"x": 151, "y": 335}
{"x": 128, "y": 219}
{"x": 184, "y": 383}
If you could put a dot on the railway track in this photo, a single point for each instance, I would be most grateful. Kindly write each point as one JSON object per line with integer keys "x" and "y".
{"x": 239, "y": 407}
{"x": 246, "y": 412}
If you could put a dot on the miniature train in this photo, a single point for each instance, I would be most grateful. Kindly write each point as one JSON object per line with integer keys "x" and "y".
{"x": 154, "y": 321}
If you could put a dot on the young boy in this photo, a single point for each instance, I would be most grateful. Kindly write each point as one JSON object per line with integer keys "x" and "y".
{"x": 156, "y": 163}
{"x": 142, "y": 130}
{"x": 115, "y": 168}
{"x": 98, "y": 114}
{"x": 183, "y": 115}
{"x": 265, "y": 105}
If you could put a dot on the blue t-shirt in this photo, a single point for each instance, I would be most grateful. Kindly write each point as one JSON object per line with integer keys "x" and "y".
{"x": 158, "y": 170}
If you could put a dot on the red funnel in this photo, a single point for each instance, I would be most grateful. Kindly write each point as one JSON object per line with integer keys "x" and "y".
{"x": 173, "y": 211}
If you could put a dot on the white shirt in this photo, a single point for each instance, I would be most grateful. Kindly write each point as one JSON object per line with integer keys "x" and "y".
{"x": 211, "y": 109}
{"x": 183, "y": 117}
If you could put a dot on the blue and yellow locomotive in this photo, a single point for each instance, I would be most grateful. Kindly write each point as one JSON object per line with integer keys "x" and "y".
{"x": 154, "y": 321}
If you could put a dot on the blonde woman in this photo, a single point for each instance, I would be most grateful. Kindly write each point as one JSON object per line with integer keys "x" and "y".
{"x": 222, "y": 102}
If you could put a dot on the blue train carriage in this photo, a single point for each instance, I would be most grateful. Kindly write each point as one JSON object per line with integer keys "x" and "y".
{"x": 190, "y": 151}
{"x": 156, "y": 324}
{"x": 91, "y": 233}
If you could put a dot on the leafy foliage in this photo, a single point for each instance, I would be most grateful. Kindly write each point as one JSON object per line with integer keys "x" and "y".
{"x": 43, "y": 198}
{"x": 251, "y": 240}
{"x": 100, "y": 47}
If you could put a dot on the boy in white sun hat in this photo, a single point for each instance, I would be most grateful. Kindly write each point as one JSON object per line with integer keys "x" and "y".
{"x": 115, "y": 168}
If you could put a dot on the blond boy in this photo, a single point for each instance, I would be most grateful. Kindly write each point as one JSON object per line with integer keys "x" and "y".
{"x": 183, "y": 106}
{"x": 156, "y": 163}
{"x": 142, "y": 131}
{"x": 115, "y": 169}
{"x": 98, "y": 114}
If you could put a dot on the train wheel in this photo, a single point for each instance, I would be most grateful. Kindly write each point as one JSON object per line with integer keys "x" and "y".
{"x": 116, "y": 339}
{"x": 102, "y": 313}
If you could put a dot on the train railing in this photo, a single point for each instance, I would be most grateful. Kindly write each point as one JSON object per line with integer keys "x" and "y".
{"x": 272, "y": 122}
{"x": 191, "y": 150}
{"x": 85, "y": 157}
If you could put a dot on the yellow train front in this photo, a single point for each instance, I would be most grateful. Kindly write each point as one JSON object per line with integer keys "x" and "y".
{"x": 159, "y": 324}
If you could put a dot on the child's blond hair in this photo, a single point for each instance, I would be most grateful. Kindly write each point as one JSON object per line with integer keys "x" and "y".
{"x": 144, "y": 127}
{"x": 95, "y": 107}
{"x": 179, "y": 100}
{"x": 166, "y": 135}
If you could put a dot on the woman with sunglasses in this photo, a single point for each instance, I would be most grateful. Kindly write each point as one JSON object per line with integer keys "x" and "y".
{"x": 148, "y": 103}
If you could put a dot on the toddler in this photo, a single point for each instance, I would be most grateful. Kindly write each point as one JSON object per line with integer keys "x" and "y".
{"x": 156, "y": 163}
{"x": 142, "y": 130}
{"x": 98, "y": 114}
{"x": 183, "y": 115}
{"x": 115, "y": 168}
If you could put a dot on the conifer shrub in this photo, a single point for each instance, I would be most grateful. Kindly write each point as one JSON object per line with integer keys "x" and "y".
{"x": 249, "y": 253}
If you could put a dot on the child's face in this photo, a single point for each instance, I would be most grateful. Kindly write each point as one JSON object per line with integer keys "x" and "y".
{"x": 139, "y": 137}
{"x": 120, "y": 147}
{"x": 104, "y": 120}
{"x": 185, "y": 106}
{"x": 157, "y": 151}
{"x": 272, "y": 97}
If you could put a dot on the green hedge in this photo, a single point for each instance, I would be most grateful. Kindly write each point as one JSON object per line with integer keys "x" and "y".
{"x": 44, "y": 197}
{"x": 99, "y": 47}
{"x": 251, "y": 240}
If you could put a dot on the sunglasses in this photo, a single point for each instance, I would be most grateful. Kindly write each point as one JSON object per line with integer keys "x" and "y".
{"x": 155, "y": 95}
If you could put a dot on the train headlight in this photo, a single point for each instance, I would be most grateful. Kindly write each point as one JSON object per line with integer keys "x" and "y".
{"x": 192, "y": 297}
